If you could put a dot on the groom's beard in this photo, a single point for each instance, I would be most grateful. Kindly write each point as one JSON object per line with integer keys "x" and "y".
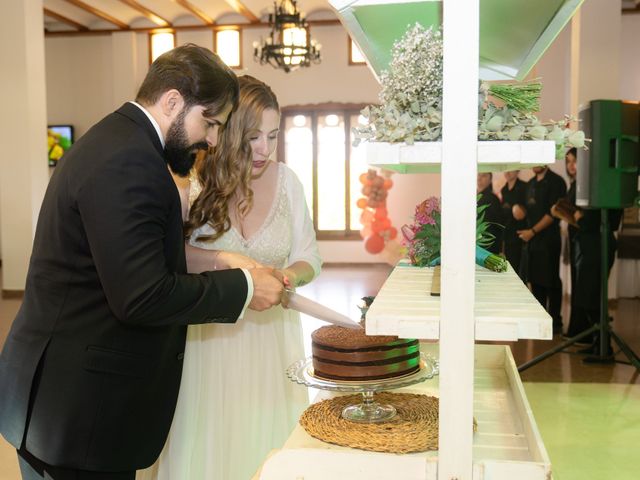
{"x": 178, "y": 153}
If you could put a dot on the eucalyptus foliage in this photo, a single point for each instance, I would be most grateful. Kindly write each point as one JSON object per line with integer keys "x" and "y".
{"x": 410, "y": 108}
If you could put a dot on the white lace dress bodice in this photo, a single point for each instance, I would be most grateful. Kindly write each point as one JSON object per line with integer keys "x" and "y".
{"x": 270, "y": 244}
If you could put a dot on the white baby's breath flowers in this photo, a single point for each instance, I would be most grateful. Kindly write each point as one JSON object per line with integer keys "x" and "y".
{"x": 411, "y": 97}
{"x": 410, "y": 107}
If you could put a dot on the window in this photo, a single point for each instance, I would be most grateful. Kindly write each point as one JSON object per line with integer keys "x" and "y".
{"x": 227, "y": 44}
{"x": 316, "y": 143}
{"x": 161, "y": 42}
{"x": 355, "y": 54}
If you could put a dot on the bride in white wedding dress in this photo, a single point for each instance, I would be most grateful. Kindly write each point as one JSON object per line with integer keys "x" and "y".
{"x": 235, "y": 402}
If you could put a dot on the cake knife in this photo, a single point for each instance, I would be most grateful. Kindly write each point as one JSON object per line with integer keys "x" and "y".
{"x": 305, "y": 305}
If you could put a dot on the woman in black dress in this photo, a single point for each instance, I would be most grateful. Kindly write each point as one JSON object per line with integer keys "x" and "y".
{"x": 513, "y": 193}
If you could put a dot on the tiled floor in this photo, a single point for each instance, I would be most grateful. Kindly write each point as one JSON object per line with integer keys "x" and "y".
{"x": 588, "y": 415}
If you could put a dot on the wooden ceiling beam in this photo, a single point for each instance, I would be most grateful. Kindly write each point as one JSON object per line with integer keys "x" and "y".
{"x": 240, "y": 26}
{"x": 240, "y": 8}
{"x": 195, "y": 11}
{"x": 99, "y": 13}
{"x": 65, "y": 20}
{"x": 151, "y": 15}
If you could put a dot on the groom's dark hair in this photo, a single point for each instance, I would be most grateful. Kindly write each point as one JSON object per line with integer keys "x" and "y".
{"x": 197, "y": 73}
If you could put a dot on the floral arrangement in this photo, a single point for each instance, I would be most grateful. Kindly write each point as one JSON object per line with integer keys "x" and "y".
{"x": 422, "y": 237}
{"x": 410, "y": 107}
{"x": 411, "y": 98}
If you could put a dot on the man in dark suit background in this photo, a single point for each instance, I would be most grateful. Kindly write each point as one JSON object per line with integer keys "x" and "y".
{"x": 541, "y": 260}
{"x": 91, "y": 368}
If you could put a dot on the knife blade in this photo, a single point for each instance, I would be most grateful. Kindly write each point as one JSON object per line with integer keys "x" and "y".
{"x": 306, "y": 305}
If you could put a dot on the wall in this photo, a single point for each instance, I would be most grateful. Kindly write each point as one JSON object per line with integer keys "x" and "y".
{"x": 80, "y": 79}
{"x": 629, "y": 58}
{"x": 78, "y": 73}
{"x": 23, "y": 124}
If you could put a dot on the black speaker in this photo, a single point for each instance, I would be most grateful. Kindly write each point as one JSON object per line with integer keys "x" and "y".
{"x": 608, "y": 172}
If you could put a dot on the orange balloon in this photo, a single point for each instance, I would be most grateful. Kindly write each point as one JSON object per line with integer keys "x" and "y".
{"x": 361, "y": 203}
{"x": 388, "y": 183}
{"x": 385, "y": 223}
{"x": 374, "y": 243}
{"x": 377, "y": 227}
{"x": 363, "y": 178}
{"x": 381, "y": 213}
{"x": 367, "y": 217}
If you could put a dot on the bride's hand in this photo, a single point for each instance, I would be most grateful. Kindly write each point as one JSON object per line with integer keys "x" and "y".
{"x": 289, "y": 282}
{"x": 225, "y": 260}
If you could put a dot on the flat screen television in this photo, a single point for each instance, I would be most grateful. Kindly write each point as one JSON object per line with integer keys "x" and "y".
{"x": 59, "y": 140}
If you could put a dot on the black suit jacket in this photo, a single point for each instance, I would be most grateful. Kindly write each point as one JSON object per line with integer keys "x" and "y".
{"x": 95, "y": 352}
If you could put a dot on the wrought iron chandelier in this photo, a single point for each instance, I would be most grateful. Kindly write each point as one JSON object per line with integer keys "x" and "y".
{"x": 289, "y": 45}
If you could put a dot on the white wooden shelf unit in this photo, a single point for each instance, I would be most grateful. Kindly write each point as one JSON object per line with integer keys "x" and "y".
{"x": 503, "y": 40}
{"x": 505, "y": 310}
{"x": 426, "y": 157}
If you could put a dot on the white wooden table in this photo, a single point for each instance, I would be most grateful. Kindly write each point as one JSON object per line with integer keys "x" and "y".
{"x": 507, "y": 445}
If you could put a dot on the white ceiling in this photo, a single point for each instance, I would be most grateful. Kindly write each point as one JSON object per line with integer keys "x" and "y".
{"x": 173, "y": 11}
{"x": 125, "y": 15}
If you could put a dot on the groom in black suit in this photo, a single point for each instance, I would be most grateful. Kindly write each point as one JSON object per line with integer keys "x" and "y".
{"x": 90, "y": 371}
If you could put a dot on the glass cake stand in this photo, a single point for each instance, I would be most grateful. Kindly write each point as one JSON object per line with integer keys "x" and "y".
{"x": 369, "y": 411}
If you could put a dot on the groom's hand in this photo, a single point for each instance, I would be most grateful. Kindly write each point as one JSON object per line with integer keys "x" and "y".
{"x": 268, "y": 288}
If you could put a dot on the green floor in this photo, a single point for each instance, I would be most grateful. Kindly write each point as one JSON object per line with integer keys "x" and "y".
{"x": 591, "y": 431}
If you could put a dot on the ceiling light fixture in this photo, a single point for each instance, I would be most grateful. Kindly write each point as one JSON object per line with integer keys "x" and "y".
{"x": 289, "y": 45}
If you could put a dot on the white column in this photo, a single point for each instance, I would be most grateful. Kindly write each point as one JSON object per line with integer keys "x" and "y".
{"x": 23, "y": 124}
{"x": 600, "y": 24}
{"x": 124, "y": 67}
{"x": 574, "y": 72}
{"x": 459, "y": 170}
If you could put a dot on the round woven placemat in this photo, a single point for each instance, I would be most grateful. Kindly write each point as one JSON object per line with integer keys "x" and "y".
{"x": 413, "y": 429}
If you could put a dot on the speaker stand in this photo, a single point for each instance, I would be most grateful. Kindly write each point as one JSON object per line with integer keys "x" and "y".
{"x": 605, "y": 332}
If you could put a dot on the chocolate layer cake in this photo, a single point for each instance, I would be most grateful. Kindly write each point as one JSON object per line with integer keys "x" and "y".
{"x": 343, "y": 354}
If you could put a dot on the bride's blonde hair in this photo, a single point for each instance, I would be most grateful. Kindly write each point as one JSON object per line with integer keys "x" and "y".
{"x": 226, "y": 171}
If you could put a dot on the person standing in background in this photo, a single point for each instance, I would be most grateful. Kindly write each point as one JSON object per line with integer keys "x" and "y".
{"x": 542, "y": 239}
{"x": 493, "y": 213}
{"x": 585, "y": 238}
{"x": 513, "y": 193}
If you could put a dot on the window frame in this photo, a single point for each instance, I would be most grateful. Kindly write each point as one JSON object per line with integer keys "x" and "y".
{"x": 347, "y": 110}
{"x": 350, "y": 57}
{"x": 156, "y": 32}
{"x": 215, "y": 45}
